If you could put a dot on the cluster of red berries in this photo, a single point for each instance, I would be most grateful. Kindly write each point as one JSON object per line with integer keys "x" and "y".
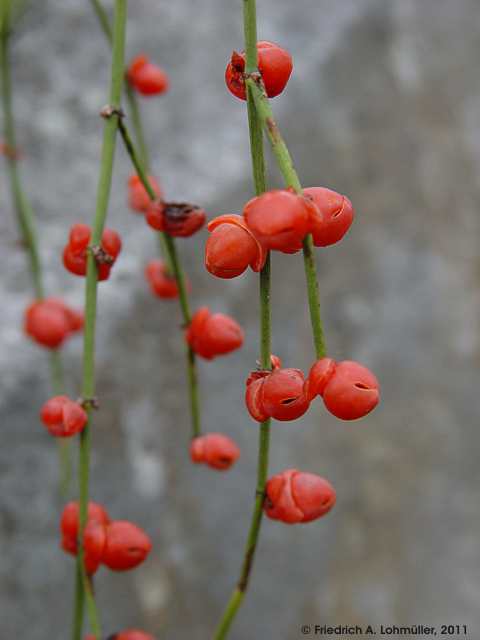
{"x": 118, "y": 544}
{"x": 349, "y": 391}
{"x": 75, "y": 251}
{"x": 277, "y": 220}
{"x": 50, "y": 322}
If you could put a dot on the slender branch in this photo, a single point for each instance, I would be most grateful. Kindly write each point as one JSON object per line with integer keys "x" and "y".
{"x": 291, "y": 178}
{"x": 258, "y": 168}
{"x": 173, "y": 264}
{"x": 88, "y": 387}
{"x": 26, "y": 223}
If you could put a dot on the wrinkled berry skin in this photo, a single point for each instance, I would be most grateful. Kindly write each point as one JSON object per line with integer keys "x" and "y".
{"x": 126, "y": 546}
{"x": 147, "y": 78}
{"x": 215, "y": 450}
{"x": 75, "y": 251}
{"x": 277, "y": 394}
{"x": 232, "y": 248}
{"x": 63, "y": 417}
{"x": 280, "y": 219}
{"x": 352, "y": 391}
{"x": 178, "y": 219}
{"x": 213, "y": 334}
{"x": 275, "y": 66}
{"x": 50, "y": 322}
{"x": 336, "y": 216}
{"x": 138, "y": 198}
{"x": 162, "y": 283}
{"x": 298, "y": 497}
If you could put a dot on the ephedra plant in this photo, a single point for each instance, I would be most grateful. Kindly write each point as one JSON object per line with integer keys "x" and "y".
{"x": 291, "y": 220}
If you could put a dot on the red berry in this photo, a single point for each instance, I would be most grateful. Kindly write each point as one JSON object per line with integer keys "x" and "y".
{"x": 215, "y": 450}
{"x": 94, "y": 539}
{"x": 126, "y": 547}
{"x": 182, "y": 219}
{"x": 335, "y": 219}
{"x": 211, "y": 335}
{"x": 274, "y": 63}
{"x": 63, "y": 417}
{"x": 138, "y": 198}
{"x": 254, "y": 399}
{"x": 49, "y": 322}
{"x": 295, "y": 496}
{"x": 320, "y": 373}
{"x": 352, "y": 391}
{"x": 154, "y": 215}
{"x": 232, "y": 247}
{"x": 132, "y": 634}
{"x": 281, "y": 395}
{"x": 279, "y": 219}
{"x": 75, "y": 251}
{"x": 162, "y": 283}
{"x": 147, "y": 78}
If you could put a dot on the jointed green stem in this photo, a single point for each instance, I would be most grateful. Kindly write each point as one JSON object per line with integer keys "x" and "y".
{"x": 88, "y": 387}
{"x": 290, "y": 176}
{"x": 258, "y": 168}
{"x": 26, "y": 223}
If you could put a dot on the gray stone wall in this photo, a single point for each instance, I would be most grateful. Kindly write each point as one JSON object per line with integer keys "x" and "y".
{"x": 384, "y": 105}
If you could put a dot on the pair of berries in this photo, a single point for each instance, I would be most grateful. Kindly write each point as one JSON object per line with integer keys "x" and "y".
{"x": 128, "y": 634}
{"x": 50, "y": 322}
{"x": 298, "y": 497}
{"x": 274, "y": 64}
{"x": 277, "y": 220}
{"x": 215, "y": 450}
{"x": 213, "y": 334}
{"x": 75, "y": 251}
{"x": 118, "y": 544}
{"x": 349, "y": 390}
{"x": 63, "y": 417}
{"x": 147, "y": 78}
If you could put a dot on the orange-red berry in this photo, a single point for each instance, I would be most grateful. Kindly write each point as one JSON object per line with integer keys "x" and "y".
{"x": 320, "y": 373}
{"x": 147, "y": 78}
{"x": 162, "y": 283}
{"x": 94, "y": 533}
{"x": 75, "y": 251}
{"x": 280, "y": 219}
{"x": 336, "y": 215}
{"x": 277, "y": 394}
{"x": 298, "y": 497}
{"x": 138, "y": 198}
{"x": 215, "y": 450}
{"x": 126, "y": 546}
{"x": 178, "y": 219}
{"x": 274, "y": 64}
{"x": 63, "y": 417}
{"x": 49, "y": 322}
{"x": 352, "y": 391}
{"x": 213, "y": 334}
{"x": 232, "y": 248}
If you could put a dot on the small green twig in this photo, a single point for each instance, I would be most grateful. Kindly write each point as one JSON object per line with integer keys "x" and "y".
{"x": 258, "y": 167}
{"x": 88, "y": 387}
{"x": 290, "y": 176}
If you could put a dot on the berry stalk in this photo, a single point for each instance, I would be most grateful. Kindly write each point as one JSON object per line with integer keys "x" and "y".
{"x": 175, "y": 268}
{"x": 26, "y": 221}
{"x": 258, "y": 168}
{"x": 285, "y": 164}
{"x": 141, "y": 162}
{"x": 83, "y": 584}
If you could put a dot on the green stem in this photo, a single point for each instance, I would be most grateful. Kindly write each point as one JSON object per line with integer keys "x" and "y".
{"x": 258, "y": 168}
{"x": 26, "y": 224}
{"x": 173, "y": 265}
{"x": 291, "y": 178}
{"x": 88, "y": 387}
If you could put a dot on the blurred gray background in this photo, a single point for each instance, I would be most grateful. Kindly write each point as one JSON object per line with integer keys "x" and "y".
{"x": 383, "y": 105}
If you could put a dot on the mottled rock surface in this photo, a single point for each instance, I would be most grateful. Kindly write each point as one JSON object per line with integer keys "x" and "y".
{"x": 384, "y": 105}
